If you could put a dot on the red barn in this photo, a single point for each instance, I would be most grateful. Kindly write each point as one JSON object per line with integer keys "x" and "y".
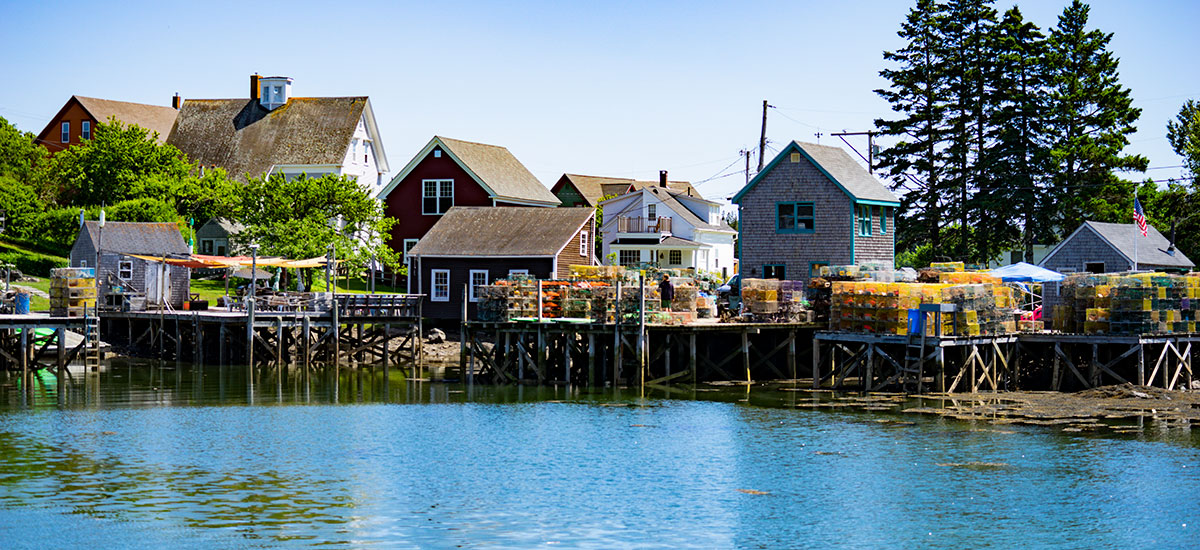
{"x": 449, "y": 172}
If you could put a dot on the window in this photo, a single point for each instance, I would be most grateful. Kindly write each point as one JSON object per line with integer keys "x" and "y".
{"x": 266, "y": 94}
{"x": 814, "y": 268}
{"x": 630, "y": 257}
{"x": 651, "y": 211}
{"x": 366, "y": 151}
{"x": 408, "y": 245}
{"x": 278, "y": 91}
{"x": 512, "y": 272}
{"x": 206, "y": 246}
{"x": 583, "y": 243}
{"x": 864, "y": 220}
{"x": 85, "y": 129}
{"x": 794, "y": 157}
{"x": 675, "y": 257}
{"x": 125, "y": 270}
{"x": 794, "y": 217}
{"x": 479, "y": 277}
{"x": 220, "y": 250}
{"x": 437, "y": 153}
{"x": 66, "y": 132}
{"x": 883, "y": 216}
{"x": 441, "y": 285}
{"x": 437, "y": 195}
{"x": 1093, "y": 267}
{"x": 773, "y": 271}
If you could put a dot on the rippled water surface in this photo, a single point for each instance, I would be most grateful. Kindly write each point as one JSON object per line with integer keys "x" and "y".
{"x": 164, "y": 457}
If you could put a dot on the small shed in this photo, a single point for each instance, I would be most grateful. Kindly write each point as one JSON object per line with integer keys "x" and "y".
{"x": 163, "y": 284}
{"x": 476, "y": 245}
{"x": 213, "y": 236}
{"x": 1098, "y": 247}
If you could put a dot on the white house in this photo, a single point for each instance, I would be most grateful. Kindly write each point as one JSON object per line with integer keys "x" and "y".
{"x": 273, "y": 132}
{"x": 668, "y": 228}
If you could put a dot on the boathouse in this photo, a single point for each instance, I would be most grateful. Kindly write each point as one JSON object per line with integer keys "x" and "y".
{"x": 477, "y": 245}
{"x": 814, "y": 205}
{"x": 163, "y": 285}
{"x": 1099, "y": 247}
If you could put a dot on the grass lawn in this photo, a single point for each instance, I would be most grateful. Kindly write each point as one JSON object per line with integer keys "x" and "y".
{"x": 214, "y": 288}
{"x": 36, "y": 303}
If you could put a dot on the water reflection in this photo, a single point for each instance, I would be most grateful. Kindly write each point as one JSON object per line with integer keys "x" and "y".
{"x": 151, "y": 454}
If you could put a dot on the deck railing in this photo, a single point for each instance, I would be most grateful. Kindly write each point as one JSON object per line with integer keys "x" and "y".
{"x": 639, "y": 224}
{"x": 379, "y": 305}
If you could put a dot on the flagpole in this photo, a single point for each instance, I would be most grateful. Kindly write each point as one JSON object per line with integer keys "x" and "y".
{"x": 1135, "y": 239}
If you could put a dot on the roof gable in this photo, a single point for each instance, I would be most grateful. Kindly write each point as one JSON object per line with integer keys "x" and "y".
{"x": 493, "y": 167}
{"x": 154, "y": 238}
{"x": 509, "y": 231}
{"x": 1151, "y": 250}
{"x": 246, "y": 139}
{"x": 835, "y": 164}
{"x": 156, "y": 118}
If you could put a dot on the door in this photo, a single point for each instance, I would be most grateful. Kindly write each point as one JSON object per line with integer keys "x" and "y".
{"x": 158, "y": 284}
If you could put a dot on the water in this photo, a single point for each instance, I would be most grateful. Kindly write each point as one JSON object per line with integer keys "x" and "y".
{"x": 212, "y": 458}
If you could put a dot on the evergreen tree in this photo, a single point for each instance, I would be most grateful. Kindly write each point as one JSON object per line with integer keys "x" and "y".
{"x": 918, "y": 93}
{"x": 1184, "y": 134}
{"x": 1091, "y": 117}
{"x": 1016, "y": 164}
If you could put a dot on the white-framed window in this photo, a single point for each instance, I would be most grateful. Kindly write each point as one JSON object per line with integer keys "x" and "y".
{"x": 629, "y": 257}
{"x": 266, "y": 93}
{"x": 408, "y": 245}
{"x": 651, "y": 211}
{"x": 479, "y": 277}
{"x": 278, "y": 91}
{"x": 66, "y": 132}
{"x": 512, "y": 272}
{"x": 85, "y": 129}
{"x": 583, "y": 243}
{"x": 366, "y": 151}
{"x": 437, "y": 196}
{"x": 125, "y": 270}
{"x": 441, "y": 285}
{"x": 675, "y": 257}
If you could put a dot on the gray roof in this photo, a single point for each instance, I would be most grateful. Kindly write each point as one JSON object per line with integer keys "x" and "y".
{"x": 594, "y": 188}
{"x": 502, "y": 231}
{"x": 855, "y": 179}
{"x": 1151, "y": 249}
{"x": 847, "y": 174}
{"x": 244, "y": 138}
{"x": 156, "y": 118}
{"x": 667, "y": 196}
{"x": 220, "y": 227}
{"x": 150, "y": 239}
{"x": 499, "y": 170}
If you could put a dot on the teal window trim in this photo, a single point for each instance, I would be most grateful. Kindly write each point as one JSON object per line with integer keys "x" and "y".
{"x": 883, "y": 216}
{"x": 864, "y": 220}
{"x": 782, "y": 271}
{"x": 796, "y": 217}
{"x": 813, "y": 267}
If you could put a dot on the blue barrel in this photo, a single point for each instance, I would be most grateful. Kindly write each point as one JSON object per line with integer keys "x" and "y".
{"x": 22, "y": 303}
{"x": 916, "y": 321}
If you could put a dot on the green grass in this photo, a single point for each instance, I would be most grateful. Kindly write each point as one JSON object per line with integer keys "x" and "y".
{"x": 28, "y": 261}
{"x": 214, "y": 288}
{"x": 36, "y": 303}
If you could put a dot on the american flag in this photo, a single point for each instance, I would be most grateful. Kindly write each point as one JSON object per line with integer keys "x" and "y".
{"x": 1139, "y": 216}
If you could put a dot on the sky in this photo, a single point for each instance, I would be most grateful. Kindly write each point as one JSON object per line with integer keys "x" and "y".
{"x": 616, "y": 88}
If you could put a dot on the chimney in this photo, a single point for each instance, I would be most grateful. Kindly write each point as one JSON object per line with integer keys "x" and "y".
{"x": 1171, "y": 247}
{"x": 254, "y": 86}
{"x": 662, "y": 178}
{"x": 176, "y": 102}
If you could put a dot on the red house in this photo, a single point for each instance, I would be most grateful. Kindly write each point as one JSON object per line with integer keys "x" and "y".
{"x": 75, "y": 121}
{"x": 449, "y": 172}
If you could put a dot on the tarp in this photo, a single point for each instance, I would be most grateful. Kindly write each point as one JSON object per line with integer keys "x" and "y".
{"x": 197, "y": 261}
{"x": 1028, "y": 273}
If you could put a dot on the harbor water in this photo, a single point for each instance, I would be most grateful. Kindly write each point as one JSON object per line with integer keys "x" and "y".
{"x": 147, "y": 455}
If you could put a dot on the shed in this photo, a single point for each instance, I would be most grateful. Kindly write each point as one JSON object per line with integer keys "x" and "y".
{"x": 214, "y": 235}
{"x": 162, "y": 284}
{"x": 476, "y": 245}
{"x": 1099, "y": 247}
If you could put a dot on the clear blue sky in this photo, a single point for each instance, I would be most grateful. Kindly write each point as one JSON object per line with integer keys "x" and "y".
{"x": 610, "y": 88}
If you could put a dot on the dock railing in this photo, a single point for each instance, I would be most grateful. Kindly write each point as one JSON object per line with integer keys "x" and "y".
{"x": 380, "y": 305}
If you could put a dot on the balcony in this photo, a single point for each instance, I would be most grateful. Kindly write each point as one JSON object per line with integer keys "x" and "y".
{"x": 639, "y": 224}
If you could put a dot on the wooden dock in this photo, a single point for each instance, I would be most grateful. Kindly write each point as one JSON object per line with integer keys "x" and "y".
{"x": 21, "y": 349}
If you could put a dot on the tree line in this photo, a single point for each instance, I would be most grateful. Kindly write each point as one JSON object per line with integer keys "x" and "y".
{"x": 1006, "y": 136}
{"x": 124, "y": 170}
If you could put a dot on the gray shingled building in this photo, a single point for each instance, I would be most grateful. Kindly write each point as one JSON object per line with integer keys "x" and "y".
{"x": 1098, "y": 247}
{"x": 813, "y": 205}
{"x": 162, "y": 284}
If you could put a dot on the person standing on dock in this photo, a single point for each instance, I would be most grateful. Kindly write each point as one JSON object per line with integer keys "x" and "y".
{"x": 666, "y": 291}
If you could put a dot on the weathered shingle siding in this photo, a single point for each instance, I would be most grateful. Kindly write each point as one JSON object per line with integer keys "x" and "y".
{"x": 878, "y": 248}
{"x": 570, "y": 254}
{"x": 1082, "y": 248}
{"x": 833, "y": 222}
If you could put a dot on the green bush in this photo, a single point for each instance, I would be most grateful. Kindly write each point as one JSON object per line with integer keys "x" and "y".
{"x": 31, "y": 263}
{"x": 21, "y": 206}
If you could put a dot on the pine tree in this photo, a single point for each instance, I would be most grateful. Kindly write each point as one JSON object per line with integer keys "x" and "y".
{"x": 1016, "y": 163}
{"x": 916, "y": 162}
{"x": 1184, "y": 135}
{"x": 1091, "y": 116}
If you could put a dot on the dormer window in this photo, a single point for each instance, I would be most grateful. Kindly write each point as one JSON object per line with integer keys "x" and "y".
{"x": 275, "y": 91}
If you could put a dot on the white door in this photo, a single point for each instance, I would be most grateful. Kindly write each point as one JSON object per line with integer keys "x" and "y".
{"x": 152, "y": 293}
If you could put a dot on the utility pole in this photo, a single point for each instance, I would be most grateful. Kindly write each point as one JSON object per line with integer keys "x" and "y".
{"x": 746, "y": 153}
{"x": 870, "y": 157}
{"x": 762, "y": 138}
